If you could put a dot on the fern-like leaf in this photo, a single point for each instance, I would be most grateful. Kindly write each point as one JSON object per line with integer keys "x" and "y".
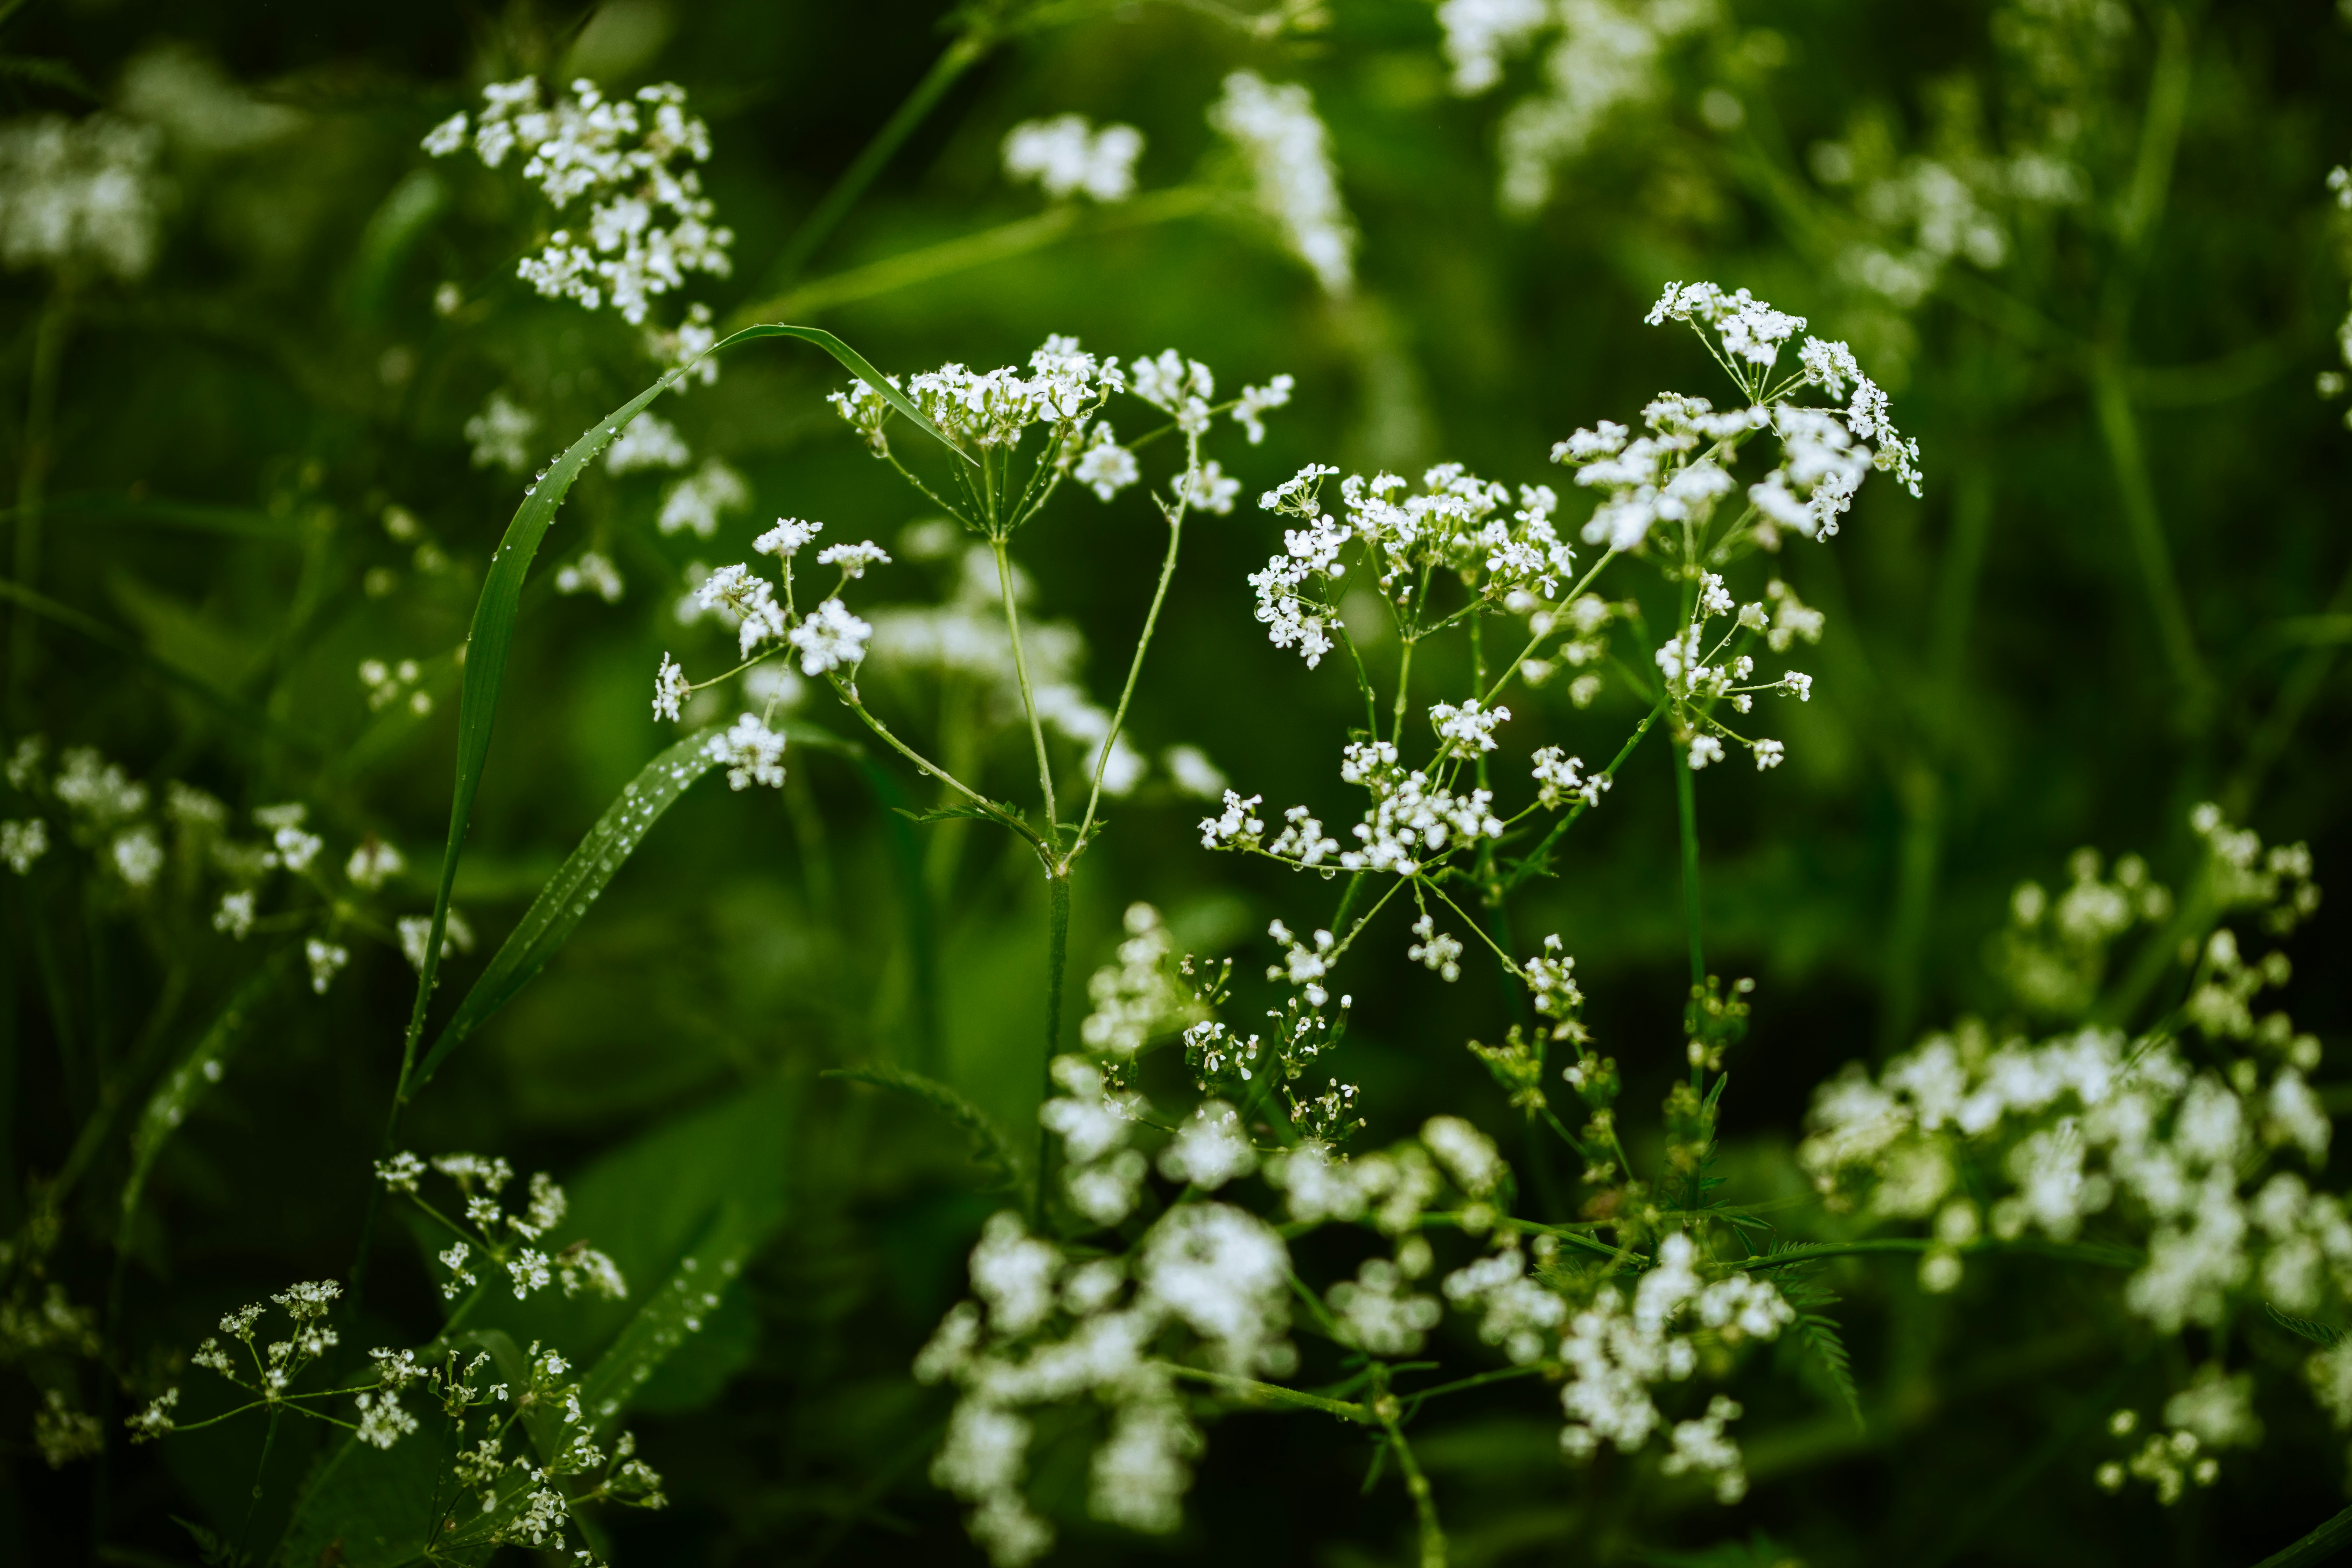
{"x": 1819, "y": 1334}
{"x": 2319, "y": 1334}
{"x": 990, "y": 1149}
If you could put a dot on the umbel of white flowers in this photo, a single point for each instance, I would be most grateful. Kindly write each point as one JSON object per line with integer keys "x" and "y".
{"x": 648, "y": 224}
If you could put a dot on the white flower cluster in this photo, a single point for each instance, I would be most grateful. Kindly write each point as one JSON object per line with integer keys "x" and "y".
{"x": 1289, "y": 151}
{"x": 1925, "y": 213}
{"x": 507, "y": 1239}
{"x": 134, "y": 838}
{"x": 1139, "y": 997}
{"x": 2178, "y": 1151}
{"x": 1608, "y": 58}
{"x": 648, "y": 222}
{"x": 1617, "y": 1351}
{"x": 1066, "y": 157}
{"x": 1414, "y": 821}
{"x": 1048, "y": 1329}
{"x": 1459, "y": 523}
{"x": 78, "y": 196}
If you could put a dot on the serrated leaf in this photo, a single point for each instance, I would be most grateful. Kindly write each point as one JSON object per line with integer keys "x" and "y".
{"x": 991, "y": 1149}
{"x": 2317, "y": 1334}
{"x": 949, "y": 813}
{"x": 1819, "y": 1334}
{"x": 491, "y": 638}
{"x": 566, "y": 897}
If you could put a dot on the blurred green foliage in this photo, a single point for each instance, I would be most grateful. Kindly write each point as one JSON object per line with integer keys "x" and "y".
{"x": 2122, "y": 595}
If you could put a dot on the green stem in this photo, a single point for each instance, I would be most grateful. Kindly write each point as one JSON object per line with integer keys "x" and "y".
{"x": 930, "y": 263}
{"x": 1028, "y": 696}
{"x": 1142, "y": 646}
{"x": 2316, "y": 1547}
{"x": 1250, "y": 1391}
{"x": 2119, "y": 426}
{"x": 1386, "y": 1410}
{"x": 1057, "y": 953}
{"x": 1686, "y": 806}
{"x": 32, "y": 485}
{"x": 817, "y": 228}
{"x": 1531, "y": 863}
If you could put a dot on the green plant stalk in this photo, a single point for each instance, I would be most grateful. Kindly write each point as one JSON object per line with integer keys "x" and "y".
{"x": 929, "y": 263}
{"x": 1686, "y": 808}
{"x": 1921, "y": 787}
{"x": 2119, "y": 428}
{"x": 1057, "y": 953}
{"x": 1028, "y": 696}
{"x": 817, "y": 228}
{"x": 32, "y": 485}
{"x": 1385, "y": 1410}
{"x": 1142, "y": 646}
{"x": 2319, "y": 1546}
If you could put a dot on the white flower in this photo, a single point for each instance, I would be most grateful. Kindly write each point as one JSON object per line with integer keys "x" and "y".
{"x": 752, "y": 753}
{"x": 670, "y": 688}
{"x": 1066, "y": 158}
{"x": 136, "y": 856}
{"x": 695, "y": 503}
{"x": 1190, "y": 768}
{"x": 1468, "y": 729}
{"x": 1226, "y": 1274}
{"x": 1705, "y": 749}
{"x": 738, "y": 593}
{"x": 1468, "y": 1155}
{"x": 24, "y": 842}
{"x": 1106, "y": 467}
{"x": 373, "y": 864}
{"x": 325, "y": 958}
{"x": 1769, "y": 754}
{"x": 632, "y": 165}
{"x": 1436, "y": 951}
{"x": 1208, "y": 1150}
{"x": 498, "y": 433}
{"x": 235, "y": 915}
{"x": 648, "y": 441}
{"x": 593, "y": 573}
{"x": 1209, "y": 487}
{"x": 830, "y": 638}
{"x": 381, "y": 1421}
{"x": 1560, "y": 779}
{"x": 854, "y": 559}
{"x": 1255, "y": 400}
{"x": 1289, "y": 151}
{"x": 77, "y": 193}
{"x": 785, "y": 540}
{"x": 416, "y": 931}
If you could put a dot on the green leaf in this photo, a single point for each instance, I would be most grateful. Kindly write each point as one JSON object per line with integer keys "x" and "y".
{"x": 561, "y": 904}
{"x": 1819, "y": 1334}
{"x": 366, "y": 1507}
{"x": 950, "y": 813}
{"x": 2319, "y": 1334}
{"x": 649, "y": 1205}
{"x": 491, "y": 638}
{"x": 682, "y": 1307}
{"x": 213, "y": 1550}
{"x": 197, "y": 1070}
{"x": 990, "y": 1149}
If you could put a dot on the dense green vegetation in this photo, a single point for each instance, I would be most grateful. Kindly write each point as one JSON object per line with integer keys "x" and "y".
{"x": 250, "y": 412}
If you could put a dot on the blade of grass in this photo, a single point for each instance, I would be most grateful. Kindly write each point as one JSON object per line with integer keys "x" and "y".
{"x": 492, "y": 635}
{"x": 561, "y": 904}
